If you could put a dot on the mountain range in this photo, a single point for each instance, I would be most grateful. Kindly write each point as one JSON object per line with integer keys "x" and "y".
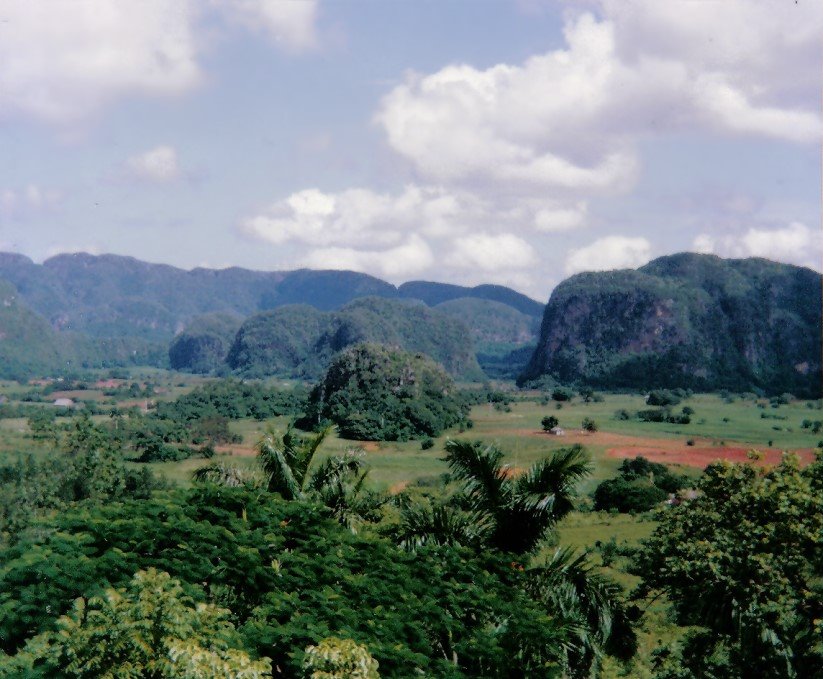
{"x": 689, "y": 320}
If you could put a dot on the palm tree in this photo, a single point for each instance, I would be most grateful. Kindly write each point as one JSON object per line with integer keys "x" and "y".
{"x": 498, "y": 510}
{"x": 591, "y": 605}
{"x": 517, "y": 511}
{"x": 286, "y": 462}
{"x": 286, "y": 459}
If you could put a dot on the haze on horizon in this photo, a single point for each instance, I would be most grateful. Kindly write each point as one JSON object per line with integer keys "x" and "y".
{"x": 499, "y": 142}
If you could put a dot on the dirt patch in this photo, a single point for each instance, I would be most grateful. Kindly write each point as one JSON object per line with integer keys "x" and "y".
{"x": 691, "y": 456}
{"x": 665, "y": 450}
{"x": 398, "y": 487}
{"x": 512, "y": 472}
{"x": 236, "y": 451}
{"x": 370, "y": 446}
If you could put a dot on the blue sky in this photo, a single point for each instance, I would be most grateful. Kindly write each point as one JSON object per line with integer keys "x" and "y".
{"x": 514, "y": 142}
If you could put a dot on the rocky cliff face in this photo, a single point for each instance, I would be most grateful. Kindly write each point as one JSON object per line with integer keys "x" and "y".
{"x": 686, "y": 320}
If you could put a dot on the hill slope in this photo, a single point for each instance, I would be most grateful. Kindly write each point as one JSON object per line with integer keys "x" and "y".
{"x": 299, "y": 341}
{"x": 686, "y": 320}
{"x": 114, "y": 296}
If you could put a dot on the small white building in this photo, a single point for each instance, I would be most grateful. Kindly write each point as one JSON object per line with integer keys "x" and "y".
{"x": 557, "y": 431}
{"x": 63, "y": 403}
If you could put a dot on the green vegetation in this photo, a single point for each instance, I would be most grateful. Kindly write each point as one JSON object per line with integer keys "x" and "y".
{"x": 114, "y": 311}
{"x": 522, "y": 585}
{"x": 741, "y": 564}
{"x": 373, "y": 393}
{"x": 640, "y": 486}
{"x": 503, "y": 337}
{"x": 204, "y": 344}
{"x": 148, "y": 629}
{"x": 686, "y": 320}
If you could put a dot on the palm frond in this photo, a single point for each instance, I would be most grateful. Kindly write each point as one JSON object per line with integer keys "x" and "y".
{"x": 334, "y": 469}
{"x": 302, "y": 449}
{"x": 275, "y": 454}
{"x": 571, "y": 589}
{"x": 549, "y": 485}
{"x": 439, "y": 524}
{"x": 222, "y": 474}
{"x": 479, "y": 466}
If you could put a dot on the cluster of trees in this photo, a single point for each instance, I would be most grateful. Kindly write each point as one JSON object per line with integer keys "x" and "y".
{"x": 741, "y": 564}
{"x": 247, "y": 581}
{"x": 639, "y": 486}
{"x": 658, "y": 415}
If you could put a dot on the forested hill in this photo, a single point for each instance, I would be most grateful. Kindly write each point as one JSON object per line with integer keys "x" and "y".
{"x": 114, "y": 296}
{"x": 299, "y": 341}
{"x": 686, "y": 320}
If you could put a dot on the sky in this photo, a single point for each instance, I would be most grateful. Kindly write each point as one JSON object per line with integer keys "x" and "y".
{"x": 464, "y": 141}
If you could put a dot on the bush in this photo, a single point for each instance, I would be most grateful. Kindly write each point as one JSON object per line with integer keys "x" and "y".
{"x": 549, "y": 422}
{"x": 626, "y": 496}
{"x": 589, "y": 425}
{"x": 662, "y": 397}
{"x": 427, "y": 443}
{"x": 562, "y": 394}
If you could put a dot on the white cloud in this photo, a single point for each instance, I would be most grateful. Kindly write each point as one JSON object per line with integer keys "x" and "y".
{"x": 570, "y": 119}
{"x": 557, "y": 218}
{"x": 358, "y": 217}
{"x": 491, "y": 252}
{"x": 795, "y": 243}
{"x": 64, "y": 60}
{"x": 704, "y": 244}
{"x": 408, "y": 258}
{"x": 611, "y": 252}
{"x": 289, "y": 23}
{"x": 23, "y": 202}
{"x": 155, "y": 165}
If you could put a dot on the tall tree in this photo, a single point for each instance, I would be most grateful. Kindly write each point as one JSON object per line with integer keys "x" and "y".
{"x": 742, "y": 562}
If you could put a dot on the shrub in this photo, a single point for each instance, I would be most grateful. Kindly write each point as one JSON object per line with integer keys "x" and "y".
{"x": 662, "y": 397}
{"x": 628, "y": 495}
{"x": 589, "y": 425}
{"x": 549, "y": 422}
{"x": 427, "y": 443}
{"x": 562, "y": 394}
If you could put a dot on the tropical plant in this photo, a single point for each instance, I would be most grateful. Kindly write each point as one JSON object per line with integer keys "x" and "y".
{"x": 287, "y": 468}
{"x": 223, "y": 474}
{"x": 516, "y": 511}
{"x": 335, "y": 658}
{"x": 591, "y": 604}
{"x": 149, "y": 629}
{"x": 285, "y": 460}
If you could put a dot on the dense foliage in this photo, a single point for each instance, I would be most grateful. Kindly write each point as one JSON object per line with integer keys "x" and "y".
{"x": 375, "y": 393}
{"x": 640, "y": 485}
{"x": 292, "y": 578}
{"x": 148, "y": 629}
{"x": 686, "y": 320}
{"x": 503, "y": 337}
{"x": 742, "y": 562}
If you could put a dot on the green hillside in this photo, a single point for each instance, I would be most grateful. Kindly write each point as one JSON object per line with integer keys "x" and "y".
{"x": 299, "y": 341}
{"x": 203, "y": 345}
{"x": 686, "y": 320}
{"x": 377, "y": 393}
